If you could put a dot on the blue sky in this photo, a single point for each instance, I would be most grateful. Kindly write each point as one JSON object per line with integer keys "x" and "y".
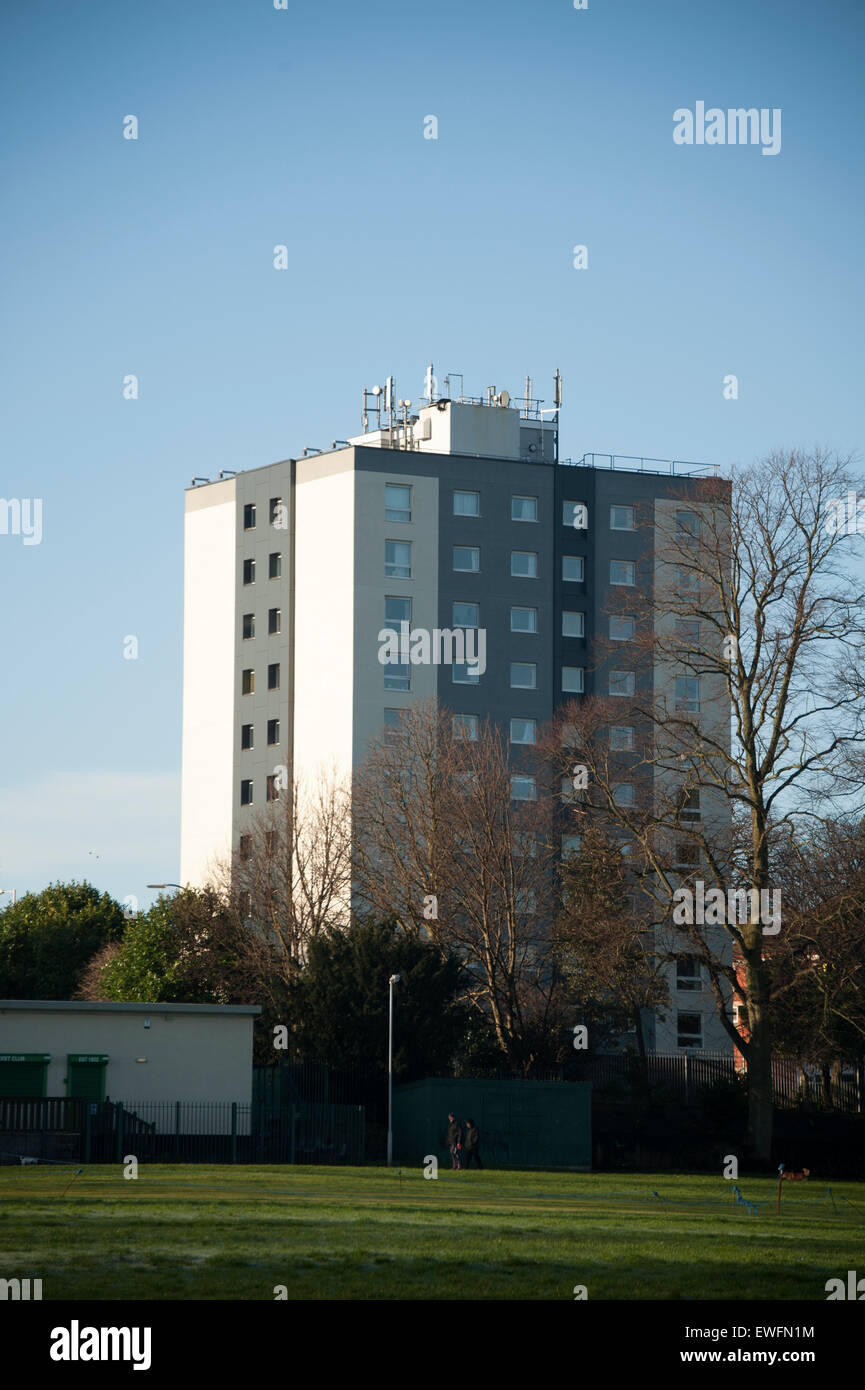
{"x": 304, "y": 127}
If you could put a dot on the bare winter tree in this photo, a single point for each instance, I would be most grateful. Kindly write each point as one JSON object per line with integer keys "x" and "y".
{"x": 453, "y": 840}
{"x": 745, "y": 701}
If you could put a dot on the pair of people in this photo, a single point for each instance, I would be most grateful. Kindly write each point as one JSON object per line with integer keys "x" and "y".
{"x": 461, "y": 1145}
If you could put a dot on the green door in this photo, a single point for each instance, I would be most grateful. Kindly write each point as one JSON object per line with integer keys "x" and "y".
{"x": 85, "y": 1075}
{"x": 22, "y": 1074}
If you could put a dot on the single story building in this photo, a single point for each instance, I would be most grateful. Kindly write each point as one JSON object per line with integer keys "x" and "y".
{"x": 126, "y": 1052}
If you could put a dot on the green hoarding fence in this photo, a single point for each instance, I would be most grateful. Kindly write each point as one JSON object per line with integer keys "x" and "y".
{"x": 523, "y": 1124}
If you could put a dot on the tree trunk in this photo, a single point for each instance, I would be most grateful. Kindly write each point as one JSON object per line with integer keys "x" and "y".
{"x": 760, "y": 1097}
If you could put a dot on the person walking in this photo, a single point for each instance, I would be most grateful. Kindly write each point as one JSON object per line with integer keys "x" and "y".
{"x": 472, "y": 1141}
{"x": 455, "y": 1141}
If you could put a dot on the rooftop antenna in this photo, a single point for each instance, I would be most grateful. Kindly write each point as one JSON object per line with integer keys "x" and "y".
{"x": 557, "y": 397}
{"x": 528, "y": 396}
{"x": 430, "y": 384}
{"x": 388, "y": 399}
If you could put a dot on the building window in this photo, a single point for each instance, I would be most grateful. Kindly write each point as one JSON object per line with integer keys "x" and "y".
{"x": 621, "y": 518}
{"x": 272, "y": 788}
{"x": 688, "y": 973}
{"x": 275, "y": 510}
{"x": 573, "y": 624}
{"x": 245, "y": 846}
{"x": 246, "y": 737}
{"x": 622, "y": 572}
{"x": 397, "y": 559}
{"x": 465, "y": 615}
{"x": 689, "y": 1028}
{"x": 524, "y": 564}
{"x": 571, "y": 845}
{"x": 688, "y": 526}
{"x": 570, "y": 793}
{"x": 574, "y": 511}
{"x": 689, "y": 806}
{"x": 622, "y": 629}
{"x": 524, "y": 509}
{"x": 249, "y": 516}
{"x": 464, "y": 673}
{"x": 467, "y": 504}
{"x": 247, "y": 682}
{"x": 687, "y": 855}
{"x": 397, "y": 676}
{"x": 523, "y": 730}
{"x": 465, "y": 726}
{"x": 271, "y": 843}
{"x": 246, "y": 792}
{"x": 249, "y": 571}
{"x": 573, "y": 568}
{"x": 393, "y": 725}
{"x": 688, "y": 694}
{"x": 248, "y": 626}
{"x": 622, "y": 682}
{"x": 273, "y": 676}
{"x": 274, "y": 565}
{"x": 397, "y": 502}
{"x": 621, "y": 738}
{"x": 688, "y": 632}
{"x": 274, "y": 621}
{"x": 524, "y": 620}
{"x": 467, "y": 558}
{"x": 687, "y": 580}
{"x": 623, "y": 794}
{"x": 524, "y": 675}
{"x": 572, "y": 680}
{"x": 570, "y": 737}
{"x": 244, "y": 903}
{"x": 396, "y": 611}
{"x": 272, "y": 732}
{"x": 523, "y": 788}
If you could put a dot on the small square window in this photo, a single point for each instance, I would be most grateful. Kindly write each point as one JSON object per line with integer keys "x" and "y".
{"x": 273, "y": 676}
{"x": 249, "y": 571}
{"x": 393, "y": 730}
{"x": 688, "y": 694}
{"x": 622, "y": 629}
{"x": 623, "y": 794}
{"x": 248, "y": 626}
{"x": 621, "y": 738}
{"x": 272, "y": 788}
{"x": 524, "y": 564}
{"x": 573, "y": 624}
{"x": 397, "y": 502}
{"x": 570, "y": 793}
{"x": 687, "y": 854}
{"x": 688, "y": 526}
{"x": 247, "y": 682}
{"x": 571, "y": 845}
{"x": 689, "y": 806}
{"x": 396, "y": 611}
{"x": 524, "y": 620}
{"x": 524, "y": 675}
{"x": 465, "y": 726}
{"x": 687, "y": 580}
{"x": 621, "y": 518}
{"x": 274, "y": 565}
{"x": 570, "y": 736}
{"x": 397, "y": 559}
{"x": 688, "y": 632}
{"x": 573, "y": 568}
{"x": 244, "y": 849}
{"x": 274, "y": 621}
{"x": 689, "y": 1028}
{"x": 272, "y": 732}
{"x": 465, "y": 673}
{"x": 524, "y": 730}
{"x": 465, "y": 615}
{"x": 467, "y": 558}
{"x": 397, "y": 676}
{"x": 622, "y": 682}
{"x": 246, "y": 792}
{"x": 467, "y": 503}
{"x": 246, "y": 737}
{"x": 575, "y": 515}
{"x": 277, "y": 513}
{"x": 524, "y": 509}
{"x": 623, "y": 572}
{"x": 572, "y": 680}
{"x": 688, "y": 975}
{"x": 248, "y": 516}
{"x": 523, "y": 789}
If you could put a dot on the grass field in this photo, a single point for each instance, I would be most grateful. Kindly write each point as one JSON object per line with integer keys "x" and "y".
{"x": 202, "y": 1232}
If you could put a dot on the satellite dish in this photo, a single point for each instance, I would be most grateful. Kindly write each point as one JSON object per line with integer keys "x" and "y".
{"x": 504, "y": 398}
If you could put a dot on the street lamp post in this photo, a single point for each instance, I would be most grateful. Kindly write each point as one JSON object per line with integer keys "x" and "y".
{"x": 394, "y": 980}
{"x": 14, "y": 893}
{"x": 164, "y": 885}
